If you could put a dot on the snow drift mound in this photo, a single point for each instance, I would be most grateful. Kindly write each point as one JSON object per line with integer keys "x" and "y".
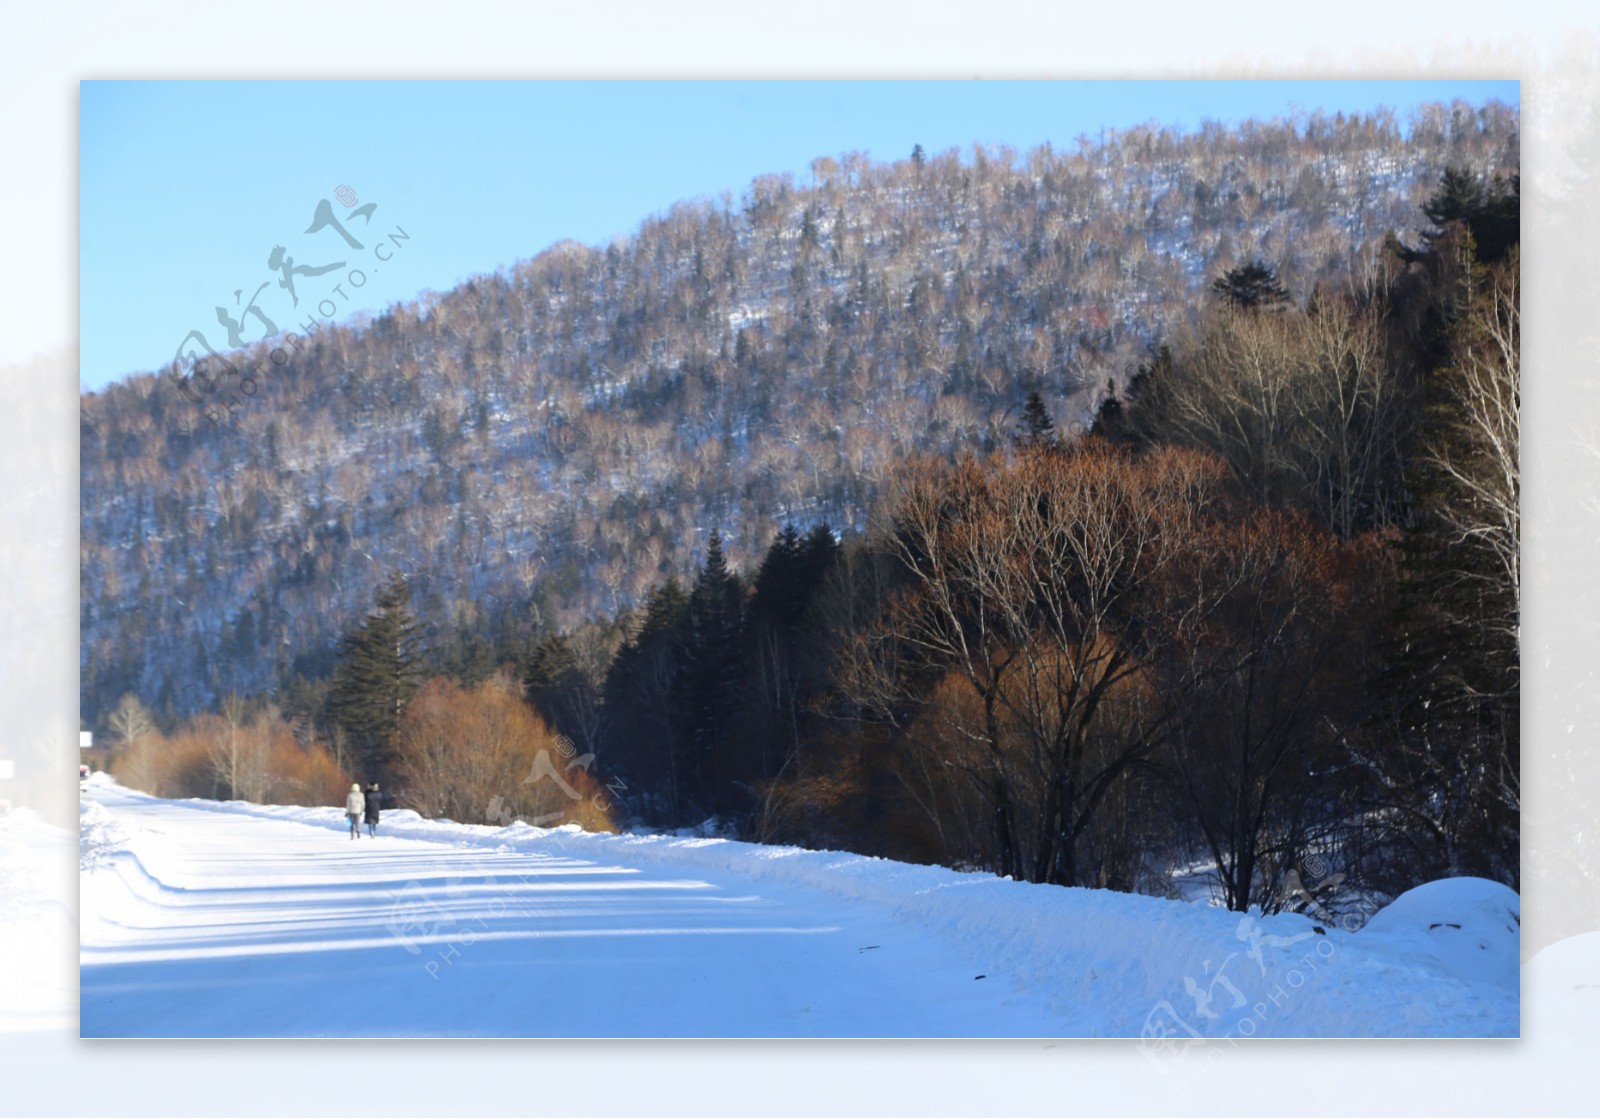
{"x": 1466, "y": 928}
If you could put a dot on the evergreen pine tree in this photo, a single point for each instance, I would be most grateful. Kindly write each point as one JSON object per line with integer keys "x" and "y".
{"x": 783, "y": 665}
{"x": 1108, "y": 418}
{"x": 1036, "y": 429}
{"x": 377, "y": 673}
{"x": 709, "y": 680}
{"x": 641, "y": 689}
{"x": 817, "y": 553}
{"x": 1491, "y": 210}
{"x": 548, "y": 669}
{"x": 1459, "y": 197}
{"x": 554, "y": 684}
{"x": 1454, "y": 672}
{"x": 808, "y": 230}
{"x": 777, "y": 579}
{"x": 244, "y": 635}
{"x": 1252, "y": 286}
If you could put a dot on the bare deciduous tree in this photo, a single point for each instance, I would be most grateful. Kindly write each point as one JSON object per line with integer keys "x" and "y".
{"x": 483, "y": 756}
{"x": 1307, "y": 407}
{"x": 130, "y": 721}
{"x": 1248, "y": 681}
{"x": 240, "y": 750}
{"x": 1027, "y": 587}
{"x": 1479, "y": 453}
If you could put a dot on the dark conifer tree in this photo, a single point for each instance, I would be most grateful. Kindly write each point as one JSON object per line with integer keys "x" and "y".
{"x": 817, "y": 554}
{"x": 777, "y": 579}
{"x": 1036, "y": 428}
{"x": 1109, "y": 422}
{"x": 1450, "y": 689}
{"x": 377, "y": 673}
{"x": 709, "y": 680}
{"x": 808, "y": 230}
{"x": 549, "y": 667}
{"x": 1492, "y": 210}
{"x": 783, "y": 664}
{"x": 470, "y": 658}
{"x": 787, "y": 581}
{"x": 642, "y": 730}
{"x": 1454, "y": 673}
{"x": 1459, "y": 197}
{"x": 1252, "y": 286}
{"x": 555, "y": 686}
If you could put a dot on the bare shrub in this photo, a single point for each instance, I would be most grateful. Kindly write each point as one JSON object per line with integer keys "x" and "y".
{"x": 481, "y": 755}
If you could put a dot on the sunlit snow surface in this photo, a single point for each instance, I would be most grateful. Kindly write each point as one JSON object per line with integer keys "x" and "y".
{"x": 37, "y": 915}
{"x": 202, "y": 919}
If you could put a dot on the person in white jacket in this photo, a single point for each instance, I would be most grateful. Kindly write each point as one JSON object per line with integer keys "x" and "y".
{"x": 355, "y": 805}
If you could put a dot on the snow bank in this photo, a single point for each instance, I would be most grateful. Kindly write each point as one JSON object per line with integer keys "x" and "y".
{"x": 1469, "y": 928}
{"x": 1128, "y": 965}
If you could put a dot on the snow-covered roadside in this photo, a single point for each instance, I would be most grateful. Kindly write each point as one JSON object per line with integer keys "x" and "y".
{"x": 100, "y": 836}
{"x": 1095, "y": 963}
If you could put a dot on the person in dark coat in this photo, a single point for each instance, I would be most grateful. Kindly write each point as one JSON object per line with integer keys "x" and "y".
{"x": 374, "y": 801}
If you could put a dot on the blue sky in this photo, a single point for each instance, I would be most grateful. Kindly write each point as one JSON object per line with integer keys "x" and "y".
{"x": 187, "y": 187}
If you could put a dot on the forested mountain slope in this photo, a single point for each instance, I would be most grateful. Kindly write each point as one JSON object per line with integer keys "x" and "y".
{"x": 545, "y": 444}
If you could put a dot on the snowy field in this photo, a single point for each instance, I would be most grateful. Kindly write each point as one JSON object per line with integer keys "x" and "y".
{"x": 201, "y": 919}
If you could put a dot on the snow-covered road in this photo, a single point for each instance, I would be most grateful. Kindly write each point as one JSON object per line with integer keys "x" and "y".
{"x": 219, "y": 923}
{"x": 202, "y": 919}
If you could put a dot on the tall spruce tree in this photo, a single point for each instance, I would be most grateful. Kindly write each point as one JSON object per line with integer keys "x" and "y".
{"x": 1489, "y": 209}
{"x": 1036, "y": 428}
{"x": 781, "y": 667}
{"x": 1109, "y": 421}
{"x": 709, "y": 682}
{"x": 377, "y": 673}
{"x": 556, "y": 686}
{"x": 1456, "y": 667}
{"x": 776, "y": 582}
{"x": 641, "y": 722}
{"x": 1252, "y": 286}
{"x": 1143, "y": 421}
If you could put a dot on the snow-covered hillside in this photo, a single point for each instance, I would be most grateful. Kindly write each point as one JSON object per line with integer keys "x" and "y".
{"x": 542, "y": 445}
{"x": 207, "y": 919}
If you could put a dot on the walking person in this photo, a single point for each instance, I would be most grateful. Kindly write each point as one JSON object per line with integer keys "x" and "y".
{"x": 374, "y": 801}
{"x": 355, "y": 805}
